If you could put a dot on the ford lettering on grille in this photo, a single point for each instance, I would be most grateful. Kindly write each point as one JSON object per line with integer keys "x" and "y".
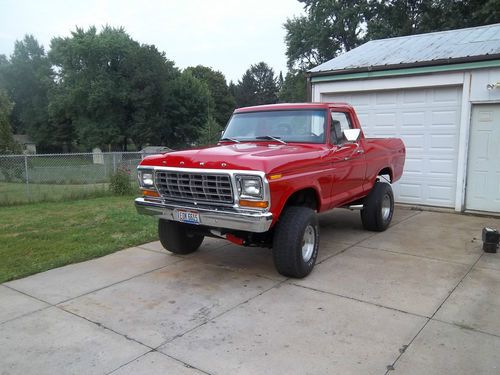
{"x": 195, "y": 187}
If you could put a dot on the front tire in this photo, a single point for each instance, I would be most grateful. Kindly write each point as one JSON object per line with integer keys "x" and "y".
{"x": 296, "y": 242}
{"x": 177, "y": 238}
{"x": 378, "y": 208}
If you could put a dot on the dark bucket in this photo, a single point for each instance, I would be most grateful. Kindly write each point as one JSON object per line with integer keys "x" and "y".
{"x": 491, "y": 238}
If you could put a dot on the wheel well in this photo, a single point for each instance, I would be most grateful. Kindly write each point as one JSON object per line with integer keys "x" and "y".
{"x": 305, "y": 198}
{"x": 386, "y": 172}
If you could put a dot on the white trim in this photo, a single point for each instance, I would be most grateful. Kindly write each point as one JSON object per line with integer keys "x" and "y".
{"x": 493, "y": 101}
{"x": 463, "y": 143}
{"x": 397, "y": 83}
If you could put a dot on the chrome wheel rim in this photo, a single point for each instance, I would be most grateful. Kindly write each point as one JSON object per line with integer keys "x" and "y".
{"x": 386, "y": 207}
{"x": 308, "y": 242}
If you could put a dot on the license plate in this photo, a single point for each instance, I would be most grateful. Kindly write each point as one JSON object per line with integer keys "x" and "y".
{"x": 190, "y": 217}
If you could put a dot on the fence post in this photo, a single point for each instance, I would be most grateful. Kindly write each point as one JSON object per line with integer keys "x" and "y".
{"x": 104, "y": 159}
{"x": 27, "y": 177}
{"x": 114, "y": 163}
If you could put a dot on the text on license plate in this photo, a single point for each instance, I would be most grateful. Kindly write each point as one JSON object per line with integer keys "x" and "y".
{"x": 190, "y": 217}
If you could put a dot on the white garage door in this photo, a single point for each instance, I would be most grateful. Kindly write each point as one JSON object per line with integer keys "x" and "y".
{"x": 427, "y": 120}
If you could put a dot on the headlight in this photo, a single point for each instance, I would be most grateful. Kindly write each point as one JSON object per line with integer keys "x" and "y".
{"x": 146, "y": 178}
{"x": 250, "y": 187}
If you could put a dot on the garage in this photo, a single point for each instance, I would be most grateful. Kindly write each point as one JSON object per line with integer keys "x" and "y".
{"x": 440, "y": 93}
{"x": 428, "y": 120}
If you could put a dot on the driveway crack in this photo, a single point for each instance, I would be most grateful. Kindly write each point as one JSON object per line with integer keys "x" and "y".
{"x": 222, "y": 313}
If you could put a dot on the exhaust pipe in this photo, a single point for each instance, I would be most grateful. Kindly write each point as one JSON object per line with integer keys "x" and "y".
{"x": 355, "y": 207}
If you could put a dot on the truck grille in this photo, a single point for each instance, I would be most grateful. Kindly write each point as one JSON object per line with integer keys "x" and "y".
{"x": 195, "y": 187}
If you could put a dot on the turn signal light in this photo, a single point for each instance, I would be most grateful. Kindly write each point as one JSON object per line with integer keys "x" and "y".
{"x": 254, "y": 204}
{"x": 150, "y": 193}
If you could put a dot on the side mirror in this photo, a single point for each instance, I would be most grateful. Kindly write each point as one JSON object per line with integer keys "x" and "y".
{"x": 352, "y": 135}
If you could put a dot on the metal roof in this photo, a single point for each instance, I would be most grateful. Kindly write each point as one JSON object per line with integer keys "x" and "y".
{"x": 443, "y": 47}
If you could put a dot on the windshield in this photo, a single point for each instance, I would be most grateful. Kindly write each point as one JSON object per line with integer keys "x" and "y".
{"x": 305, "y": 126}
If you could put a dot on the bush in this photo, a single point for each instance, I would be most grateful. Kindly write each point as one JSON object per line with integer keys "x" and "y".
{"x": 120, "y": 182}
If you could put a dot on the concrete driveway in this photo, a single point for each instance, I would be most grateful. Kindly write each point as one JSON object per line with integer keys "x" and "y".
{"x": 420, "y": 298}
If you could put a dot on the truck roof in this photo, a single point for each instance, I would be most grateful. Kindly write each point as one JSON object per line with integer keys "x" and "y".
{"x": 291, "y": 106}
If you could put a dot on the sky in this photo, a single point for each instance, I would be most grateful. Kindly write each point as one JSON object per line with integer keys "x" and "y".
{"x": 227, "y": 35}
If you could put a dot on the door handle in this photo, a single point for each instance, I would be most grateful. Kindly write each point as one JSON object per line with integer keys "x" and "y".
{"x": 360, "y": 151}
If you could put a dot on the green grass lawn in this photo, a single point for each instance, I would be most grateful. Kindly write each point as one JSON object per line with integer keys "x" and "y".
{"x": 16, "y": 193}
{"x": 41, "y": 236}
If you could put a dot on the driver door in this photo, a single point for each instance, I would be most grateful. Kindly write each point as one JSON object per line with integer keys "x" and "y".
{"x": 348, "y": 166}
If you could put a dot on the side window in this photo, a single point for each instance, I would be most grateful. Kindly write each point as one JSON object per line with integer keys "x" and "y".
{"x": 340, "y": 122}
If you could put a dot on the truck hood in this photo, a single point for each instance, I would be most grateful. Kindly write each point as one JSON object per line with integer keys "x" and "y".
{"x": 258, "y": 156}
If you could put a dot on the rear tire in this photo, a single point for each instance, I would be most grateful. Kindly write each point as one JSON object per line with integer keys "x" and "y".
{"x": 177, "y": 238}
{"x": 378, "y": 208}
{"x": 296, "y": 242}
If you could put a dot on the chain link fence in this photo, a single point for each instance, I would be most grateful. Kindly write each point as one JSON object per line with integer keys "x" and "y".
{"x": 52, "y": 177}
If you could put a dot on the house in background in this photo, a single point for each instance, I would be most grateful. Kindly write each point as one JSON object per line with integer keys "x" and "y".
{"x": 440, "y": 93}
{"x": 28, "y": 146}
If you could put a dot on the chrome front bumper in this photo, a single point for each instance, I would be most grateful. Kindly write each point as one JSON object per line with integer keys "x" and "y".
{"x": 226, "y": 218}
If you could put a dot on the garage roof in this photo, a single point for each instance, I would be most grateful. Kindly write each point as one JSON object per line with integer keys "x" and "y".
{"x": 444, "y": 47}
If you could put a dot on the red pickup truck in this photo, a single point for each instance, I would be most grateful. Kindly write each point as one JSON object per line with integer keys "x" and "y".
{"x": 274, "y": 168}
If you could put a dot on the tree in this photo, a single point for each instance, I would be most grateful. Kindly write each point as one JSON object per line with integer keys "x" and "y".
{"x": 280, "y": 81}
{"x": 223, "y": 103}
{"x": 391, "y": 18}
{"x": 187, "y": 114}
{"x": 454, "y": 14}
{"x": 151, "y": 84}
{"x": 113, "y": 89}
{"x": 10, "y": 171}
{"x": 257, "y": 86}
{"x": 220, "y": 103}
{"x": 4, "y": 63}
{"x": 28, "y": 78}
{"x": 210, "y": 132}
{"x": 89, "y": 79}
{"x": 293, "y": 89}
{"x": 329, "y": 28}
{"x": 64, "y": 134}
{"x": 233, "y": 88}
{"x": 7, "y": 143}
